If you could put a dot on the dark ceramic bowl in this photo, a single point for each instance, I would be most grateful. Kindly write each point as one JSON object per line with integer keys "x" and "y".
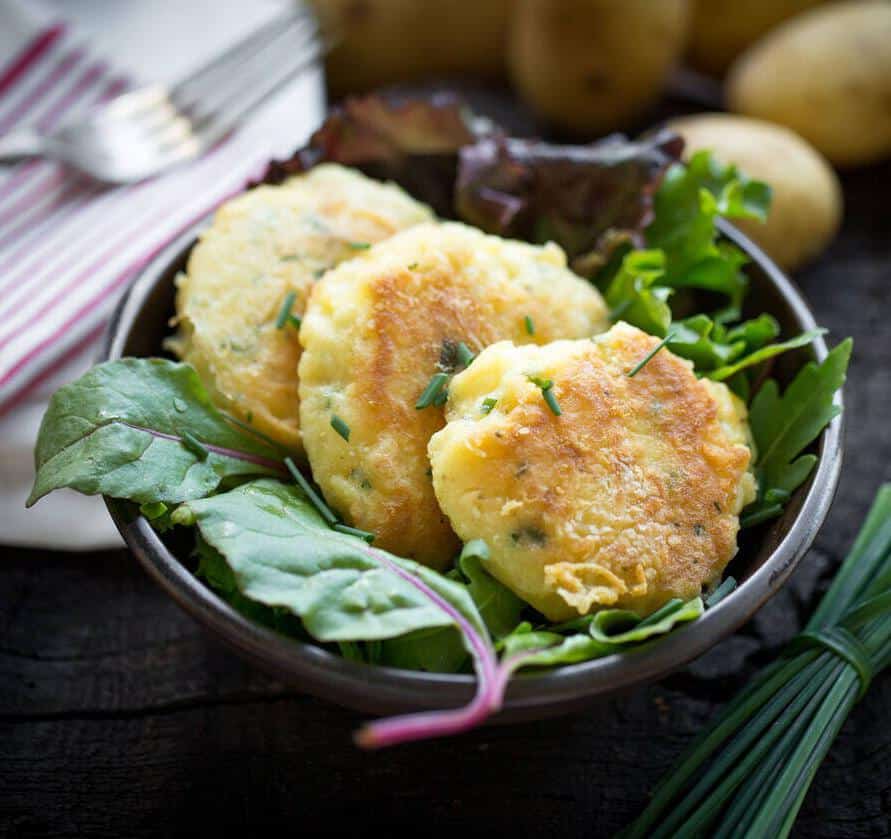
{"x": 767, "y": 554}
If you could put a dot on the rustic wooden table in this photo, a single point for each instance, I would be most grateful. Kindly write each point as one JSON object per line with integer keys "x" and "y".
{"x": 120, "y": 717}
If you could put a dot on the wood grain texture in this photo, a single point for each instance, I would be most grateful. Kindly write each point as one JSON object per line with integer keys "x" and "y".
{"x": 120, "y": 717}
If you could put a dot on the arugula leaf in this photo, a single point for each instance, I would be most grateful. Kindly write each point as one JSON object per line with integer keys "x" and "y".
{"x": 283, "y": 554}
{"x": 120, "y": 430}
{"x": 765, "y": 353}
{"x": 784, "y": 425}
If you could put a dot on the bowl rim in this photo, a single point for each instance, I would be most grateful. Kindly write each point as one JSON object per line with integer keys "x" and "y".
{"x": 380, "y": 689}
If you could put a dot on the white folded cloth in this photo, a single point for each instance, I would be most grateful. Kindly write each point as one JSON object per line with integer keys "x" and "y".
{"x": 68, "y": 248}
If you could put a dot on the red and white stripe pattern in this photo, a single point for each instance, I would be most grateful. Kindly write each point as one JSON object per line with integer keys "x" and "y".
{"x": 68, "y": 247}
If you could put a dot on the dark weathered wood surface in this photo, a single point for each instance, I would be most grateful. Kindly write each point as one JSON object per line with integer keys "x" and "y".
{"x": 120, "y": 717}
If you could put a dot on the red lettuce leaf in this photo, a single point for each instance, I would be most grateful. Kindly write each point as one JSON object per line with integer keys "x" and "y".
{"x": 589, "y": 199}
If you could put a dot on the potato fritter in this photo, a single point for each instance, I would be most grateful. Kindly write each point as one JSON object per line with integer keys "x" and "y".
{"x": 378, "y": 327}
{"x": 263, "y": 245}
{"x": 627, "y": 498}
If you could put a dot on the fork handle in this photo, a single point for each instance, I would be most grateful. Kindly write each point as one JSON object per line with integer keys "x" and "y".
{"x": 19, "y": 144}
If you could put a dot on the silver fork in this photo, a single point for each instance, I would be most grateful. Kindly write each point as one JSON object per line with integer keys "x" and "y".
{"x": 147, "y": 130}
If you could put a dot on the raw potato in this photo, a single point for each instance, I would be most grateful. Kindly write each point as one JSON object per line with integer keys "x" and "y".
{"x": 807, "y": 201}
{"x": 721, "y": 29}
{"x": 386, "y": 41}
{"x": 825, "y": 74}
{"x": 592, "y": 65}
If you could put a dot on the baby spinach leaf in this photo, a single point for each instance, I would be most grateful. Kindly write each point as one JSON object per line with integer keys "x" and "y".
{"x": 499, "y": 606}
{"x": 142, "y": 429}
{"x": 784, "y": 425}
{"x": 282, "y": 554}
{"x": 593, "y": 636}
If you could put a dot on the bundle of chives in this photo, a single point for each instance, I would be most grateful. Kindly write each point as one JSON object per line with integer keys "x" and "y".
{"x": 748, "y": 775}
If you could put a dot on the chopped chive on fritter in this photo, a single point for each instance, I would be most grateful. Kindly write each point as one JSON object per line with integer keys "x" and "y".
{"x": 547, "y": 391}
{"x": 315, "y": 499}
{"x": 488, "y": 404}
{"x": 354, "y": 531}
{"x": 296, "y": 321}
{"x": 432, "y": 391}
{"x": 340, "y": 427}
{"x": 465, "y": 356}
{"x": 359, "y": 246}
{"x": 441, "y": 397}
{"x": 194, "y": 445}
{"x": 648, "y": 357}
{"x": 530, "y": 325}
{"x": 285, "y": 312}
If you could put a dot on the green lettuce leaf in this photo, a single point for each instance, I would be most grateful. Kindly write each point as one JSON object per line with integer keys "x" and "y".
{"x": 635, "y": 296}
{"x": 121, "y": 430}
{"x": 687, "y": 204}
{"x": 763, "y": 354}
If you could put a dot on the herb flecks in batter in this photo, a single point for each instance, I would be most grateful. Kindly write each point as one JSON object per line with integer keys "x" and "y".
{"x": 340, "y": 427}
{"x": 547, "y": 391}
{"x": 432, "y": 391}
{"x": 284, "y": 314}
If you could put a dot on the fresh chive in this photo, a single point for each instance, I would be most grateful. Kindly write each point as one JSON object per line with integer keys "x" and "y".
{"x": 465, "y": 356}
{"x": 548, "y": 394}
{"x": 321, "y": 507}
{"x": 488, "y": 404}
{"x": 194, "y": 445}
{"x": 354, "y": 531}
{"x": 530, "y": 325}
{"x": 728, "y": 586}
{"x": 547, "y": 391}
{"x": 340, "y": 427}
{"x": 648, "y": 357}
{"x": 285, "y": 312}
{"x": 441, "y": 398}
{"x": 431, "y": 392}
{"x": 359, "y": 246}
{"x": 296, "y": 321}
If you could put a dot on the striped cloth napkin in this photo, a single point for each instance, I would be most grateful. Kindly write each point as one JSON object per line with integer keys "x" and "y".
{"x": 69, "y": 246}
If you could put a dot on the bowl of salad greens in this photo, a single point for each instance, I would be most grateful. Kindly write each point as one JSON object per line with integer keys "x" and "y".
{"x": 240, "y": 536}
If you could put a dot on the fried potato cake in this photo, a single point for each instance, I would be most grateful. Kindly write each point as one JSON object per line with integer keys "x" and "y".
{"x": 266, "y": 248}
{"x": 379, "y": 327}
{"x": 627, "y": 498}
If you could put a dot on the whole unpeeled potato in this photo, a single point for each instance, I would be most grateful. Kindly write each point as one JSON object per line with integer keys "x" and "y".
{"x": 807, "y": 202}
{"x": 826, "y": 74}
{"x": 379, "y": 42}
{"x": 591, "y": 65}
{"x": 721, "y": 29}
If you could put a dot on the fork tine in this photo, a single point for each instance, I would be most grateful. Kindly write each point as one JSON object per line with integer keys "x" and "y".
{"x": 220, "y": 69}
{"x": 252, "y": 89}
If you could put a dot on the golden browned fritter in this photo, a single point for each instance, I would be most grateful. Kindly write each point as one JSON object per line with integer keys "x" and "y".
{"x": 263, "y": 245}
{"x": 379, "y": 327}
{"x": 627, "y": 498}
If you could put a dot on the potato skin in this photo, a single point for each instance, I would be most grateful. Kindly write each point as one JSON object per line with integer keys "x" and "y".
{"x": 374, "y": 333}
{"x": 592, "y": 65}
{"x": 626, "y": 499}
{"x": 386, "y": 41}
{"x": 721, "y": 29}
{"x": 825, "y": 74}
{"x": 263, "y": 244}
{"x": 806, "y": 210}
